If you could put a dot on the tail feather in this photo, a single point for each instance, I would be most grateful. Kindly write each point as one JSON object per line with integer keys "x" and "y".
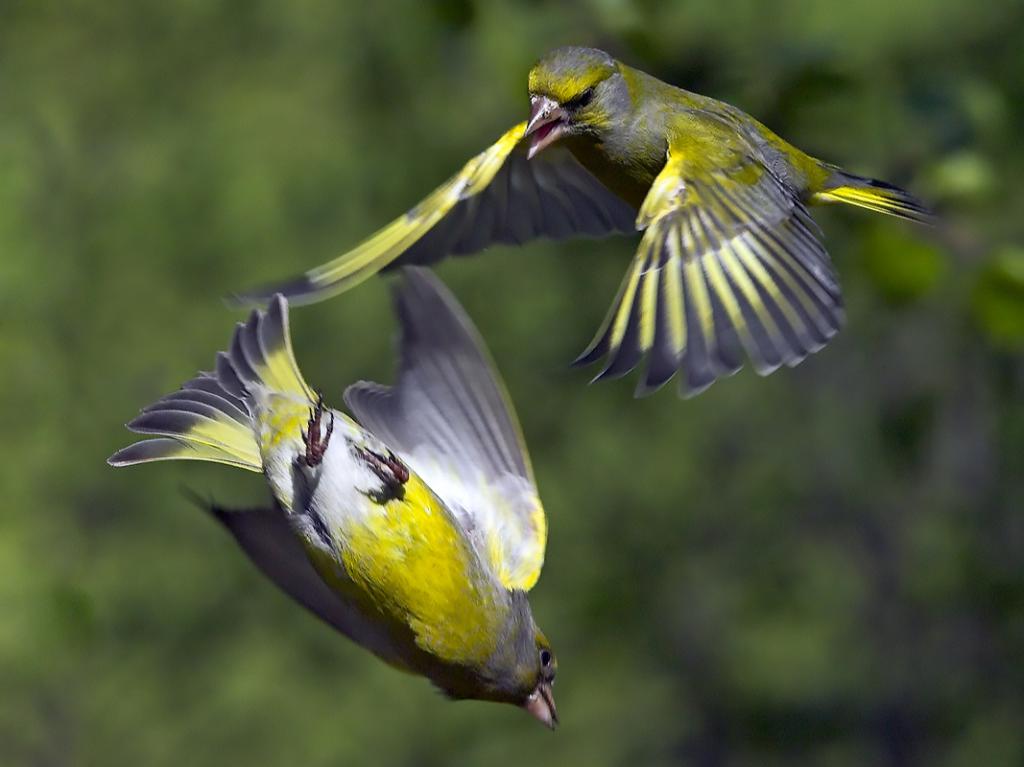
{"x": 167, "y": 448}
{"x": 208, "y": 383}
{"x": 213, "y": 416}
{"x": 875, "y": 195}
{"x": 210, "y": 399}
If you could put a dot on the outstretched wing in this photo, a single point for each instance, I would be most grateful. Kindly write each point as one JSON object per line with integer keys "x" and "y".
{"x": 498, "y": 197}
{"x": 730, "y": 262}
{"x": 450, "y": 418}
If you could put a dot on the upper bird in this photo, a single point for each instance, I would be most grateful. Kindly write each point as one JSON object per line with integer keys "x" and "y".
{"x": 730, "y": 260}
{"x": 415, "y": 531}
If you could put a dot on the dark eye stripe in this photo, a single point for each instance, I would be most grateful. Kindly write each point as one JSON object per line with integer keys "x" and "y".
{"x": 581, "y": 100}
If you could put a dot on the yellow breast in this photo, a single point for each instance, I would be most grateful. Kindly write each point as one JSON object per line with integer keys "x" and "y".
{"x": 406, "y": 563}
{"x": 413, "y": 565}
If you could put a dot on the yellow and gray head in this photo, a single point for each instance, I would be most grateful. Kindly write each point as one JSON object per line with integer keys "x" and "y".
{"x": 522, "y": 670}
{"x": 574, "y": 92}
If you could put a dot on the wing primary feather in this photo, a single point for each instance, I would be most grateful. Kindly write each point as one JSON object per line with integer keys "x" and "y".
{"x": 449, "y": 417}
{"x": 602, "y": 344}
{"x": 742, "y": 274}
{"x": 776, "y": 297}
{"x": 698, "y": 292}
{"x": 670, "y": 329}
{"x": 761, "y": 328}
{"x": 622, "y": 340}
{"x": 498, "y": 196}
{"x": 453, "y": 369}
{"x": 770, "y": 242}
{"x": 696, "y": 363}
{"x": 446, "y": 369}
{"x": 663, "y": 357}
{"x": 799, "y": 315}
{"x": 823, "y": 308}
{"x": 730, "y": 327}
{"x": 626, "y": 350}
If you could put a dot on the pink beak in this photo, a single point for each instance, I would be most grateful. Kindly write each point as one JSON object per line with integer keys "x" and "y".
{"x": 546, "y": 124}
{"x": 541, "y": 705}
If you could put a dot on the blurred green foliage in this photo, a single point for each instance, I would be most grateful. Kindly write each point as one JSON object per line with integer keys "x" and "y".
{"x": 822, "y": 567}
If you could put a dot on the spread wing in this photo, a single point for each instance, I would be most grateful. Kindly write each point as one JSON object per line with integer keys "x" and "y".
{"x": 450, "y": 418}
{"x": 498, "y": 197}
{"x": 730, "y": 262}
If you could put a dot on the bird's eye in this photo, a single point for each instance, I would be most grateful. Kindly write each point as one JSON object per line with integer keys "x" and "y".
{"x": 581, "y": 100}
{"x": 545, "y": 658}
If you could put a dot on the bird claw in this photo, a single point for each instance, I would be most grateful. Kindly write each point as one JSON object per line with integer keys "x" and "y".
{"x": 391, "y": 472}
{"x": 315, "y": 446}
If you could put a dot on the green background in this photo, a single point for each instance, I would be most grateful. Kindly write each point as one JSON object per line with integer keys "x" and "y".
{"x": 825, "y": 566}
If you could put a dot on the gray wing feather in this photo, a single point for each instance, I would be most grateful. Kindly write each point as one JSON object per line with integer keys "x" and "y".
{"x": 447, "y": 393}
{"x": 551, "y": 196}
{"x": 449, "y": 417}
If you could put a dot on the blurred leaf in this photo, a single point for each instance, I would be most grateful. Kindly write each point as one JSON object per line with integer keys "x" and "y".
{"x": 998, "y": 299}
{"x": 901, "y": 265}
{"x": 966, "y": 176}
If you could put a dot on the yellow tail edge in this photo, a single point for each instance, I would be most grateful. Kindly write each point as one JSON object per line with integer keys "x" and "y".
{"x": 213, "y": 416}
{"x": 877, "y": 196}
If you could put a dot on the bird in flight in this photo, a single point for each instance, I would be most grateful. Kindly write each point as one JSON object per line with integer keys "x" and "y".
{"x": 730, "y": 264}
{"x": 415, "y": 528}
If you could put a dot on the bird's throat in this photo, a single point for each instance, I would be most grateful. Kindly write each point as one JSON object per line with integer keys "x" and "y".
{"x": 628, "y": 180}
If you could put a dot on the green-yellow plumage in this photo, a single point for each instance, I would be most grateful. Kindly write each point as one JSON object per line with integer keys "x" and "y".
{"x": 415, "y": 528}
{"x": 730, "y": 263}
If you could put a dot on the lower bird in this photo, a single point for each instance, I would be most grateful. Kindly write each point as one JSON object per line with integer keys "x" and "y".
{"x": 414, "y": 529}
{"x": 730, "y": 263}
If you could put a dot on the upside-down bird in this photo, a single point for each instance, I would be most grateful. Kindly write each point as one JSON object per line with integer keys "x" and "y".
{"x": 414, "y": 529}
{"x": 729, "y": 260}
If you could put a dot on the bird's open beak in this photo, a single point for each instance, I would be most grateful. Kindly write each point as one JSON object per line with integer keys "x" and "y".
{"x": 547, "y": 124}
{"x": 541, "y": 705}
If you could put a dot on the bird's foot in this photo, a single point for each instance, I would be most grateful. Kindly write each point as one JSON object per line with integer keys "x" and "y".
{"x": 391, "y": 472}
{"x": 315, "y": 445}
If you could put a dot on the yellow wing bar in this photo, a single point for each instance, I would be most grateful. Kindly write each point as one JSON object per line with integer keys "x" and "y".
{"x": 729, "y": 264}
{"x": 500, "y": 196}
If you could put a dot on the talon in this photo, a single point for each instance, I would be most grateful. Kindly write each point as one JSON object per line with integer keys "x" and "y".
{"x": 399, "y": 469}
{"x": 391, "y": 472}
{"x": 315, "y": 446}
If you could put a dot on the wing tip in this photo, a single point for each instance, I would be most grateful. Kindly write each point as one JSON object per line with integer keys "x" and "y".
{"x": 646, "y": 388}
{"x": 118, "y": 460}
{"x": 595, "y": 350}
{"x": 145, "y": 451}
